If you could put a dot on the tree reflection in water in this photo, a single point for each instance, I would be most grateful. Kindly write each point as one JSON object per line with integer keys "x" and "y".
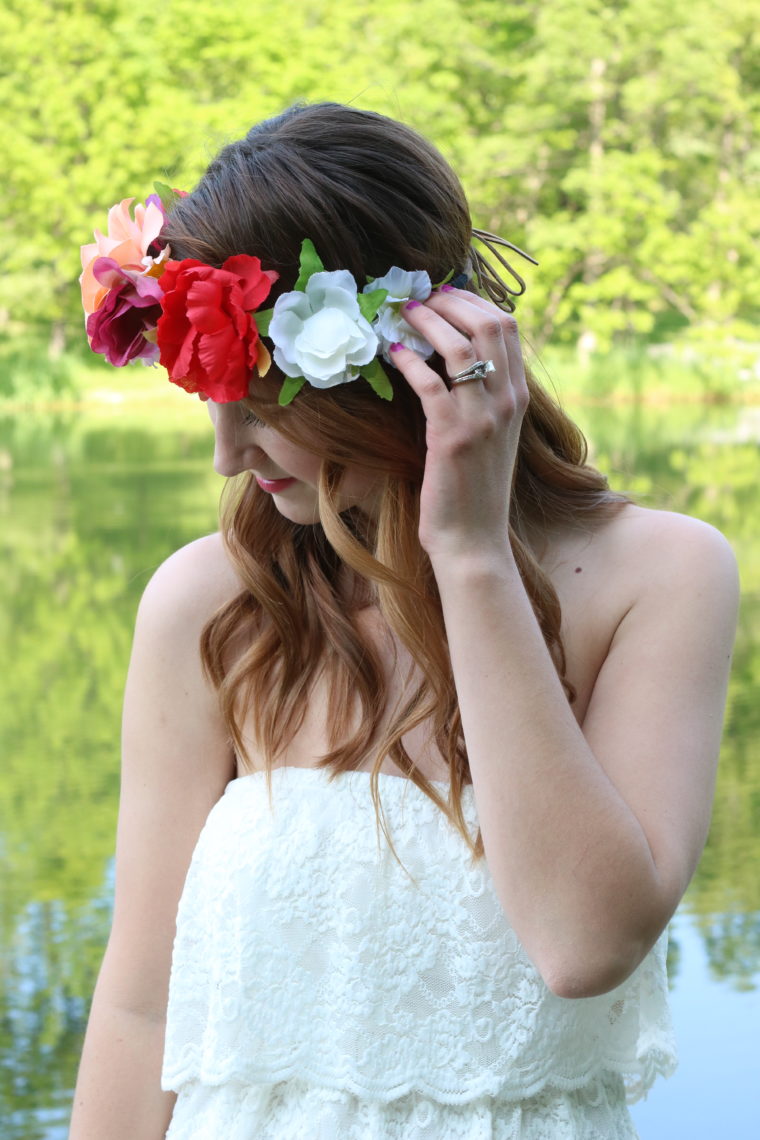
{"x": 90, "y": 506}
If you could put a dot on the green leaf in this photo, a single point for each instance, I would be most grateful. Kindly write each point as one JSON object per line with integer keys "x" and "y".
{"x": 263, "y": 319}
{"x": 310, "y": 263}
{"x": 290, "y": 389}
{"x": 375, "y": 374}
{"x": 446, "y": 279}
{"x": 369, "y": 303}
{"x": 168, "y": 196}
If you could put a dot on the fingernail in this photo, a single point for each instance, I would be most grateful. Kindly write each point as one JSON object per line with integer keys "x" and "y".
{"x": 446, "y": 289}
{"x": 397, "y": 347}
{"x": 412, "y": 304}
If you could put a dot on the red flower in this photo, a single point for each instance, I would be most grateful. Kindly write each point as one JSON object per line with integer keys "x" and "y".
{"x": 207, "y": 335}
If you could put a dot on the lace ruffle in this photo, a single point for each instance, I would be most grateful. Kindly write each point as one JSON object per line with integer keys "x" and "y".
{"x": 305, "y": 953}
{"x": 299, "y": 1111}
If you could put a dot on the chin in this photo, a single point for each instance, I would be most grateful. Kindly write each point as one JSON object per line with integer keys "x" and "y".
{"x": 300, "y": 513}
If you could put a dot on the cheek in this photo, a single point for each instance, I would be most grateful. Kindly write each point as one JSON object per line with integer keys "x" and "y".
{"x": 292, "y": 459}
{"x": 362, "y": 489}
{"x": 304, "y": 467}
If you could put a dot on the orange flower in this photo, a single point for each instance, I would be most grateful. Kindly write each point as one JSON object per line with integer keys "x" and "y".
{"x": 127, "y": 243}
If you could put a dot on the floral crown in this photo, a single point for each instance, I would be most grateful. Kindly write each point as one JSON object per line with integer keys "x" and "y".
{"x": 205, "y": 325}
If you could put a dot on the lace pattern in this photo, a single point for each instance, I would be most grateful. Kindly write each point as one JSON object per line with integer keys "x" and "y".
{"x": 305, "y": 954}
{"x": 296, "y": 1110}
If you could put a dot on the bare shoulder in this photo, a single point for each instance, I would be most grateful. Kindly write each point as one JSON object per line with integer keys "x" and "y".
{"x": 651, "y": 550}
{"x": 637, "y": 551}
{"x": 642, "y": 574}
{"x": 190, "y": 586}
{"x": 176, "y": 760}
{"x": 171, "y": 708}
{"x": 168, "y": 694}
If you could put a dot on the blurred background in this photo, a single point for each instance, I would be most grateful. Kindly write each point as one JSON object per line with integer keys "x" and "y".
{"x": 617, "y": 142}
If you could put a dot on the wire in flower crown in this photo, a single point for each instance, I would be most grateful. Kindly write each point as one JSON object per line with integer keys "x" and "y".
{"x": 204, "y": 324}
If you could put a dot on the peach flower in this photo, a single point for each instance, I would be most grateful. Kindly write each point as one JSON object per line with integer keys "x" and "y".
{"x": 127, "y": 243}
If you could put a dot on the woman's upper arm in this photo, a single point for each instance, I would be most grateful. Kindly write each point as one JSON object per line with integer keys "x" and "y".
{"x": 656, "y": 712}
{"x": 176, "y": 760}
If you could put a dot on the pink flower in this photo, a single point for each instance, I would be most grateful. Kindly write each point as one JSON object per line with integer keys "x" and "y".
{"x": 127, "y": 243}
{"x": 127, "y": 315}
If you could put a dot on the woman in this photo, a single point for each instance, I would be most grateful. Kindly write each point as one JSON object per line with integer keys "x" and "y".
{"x": 523, "y": 691}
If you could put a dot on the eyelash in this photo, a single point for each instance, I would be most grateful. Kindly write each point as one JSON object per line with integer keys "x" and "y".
{"x": 249, "y": 419}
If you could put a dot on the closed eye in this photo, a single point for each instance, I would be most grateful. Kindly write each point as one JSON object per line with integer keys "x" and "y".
{"x": 249, "y": 419}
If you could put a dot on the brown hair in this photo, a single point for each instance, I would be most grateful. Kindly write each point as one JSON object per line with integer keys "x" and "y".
{"x": 371, "y": 194}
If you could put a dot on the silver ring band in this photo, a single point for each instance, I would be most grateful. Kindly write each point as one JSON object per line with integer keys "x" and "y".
{"x": 477, "y": 371}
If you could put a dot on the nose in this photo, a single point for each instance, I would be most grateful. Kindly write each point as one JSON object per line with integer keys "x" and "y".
{"x": 235, "y": 447}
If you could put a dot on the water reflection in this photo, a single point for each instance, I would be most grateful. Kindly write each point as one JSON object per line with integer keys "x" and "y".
{"x": 714, "y": 1091}
{"x": 90, "y": 506}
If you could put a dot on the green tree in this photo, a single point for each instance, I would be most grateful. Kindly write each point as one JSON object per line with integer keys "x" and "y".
{"x": 630, "y": 153}
{"x": 617, "y": 141}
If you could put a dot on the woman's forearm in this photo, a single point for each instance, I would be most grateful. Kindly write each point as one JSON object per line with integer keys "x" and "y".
{"x": 118, "y": 1094}
{"x": 570, "y": 861}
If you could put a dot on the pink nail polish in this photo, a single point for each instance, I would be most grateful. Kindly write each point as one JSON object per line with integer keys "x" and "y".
{"x": 412, "y": 304}
{"x": 396, "y": 347}
{"x": 446, "y": 289}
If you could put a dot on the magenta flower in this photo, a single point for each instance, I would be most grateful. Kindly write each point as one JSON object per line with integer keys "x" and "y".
{"x": 124, "y": 327}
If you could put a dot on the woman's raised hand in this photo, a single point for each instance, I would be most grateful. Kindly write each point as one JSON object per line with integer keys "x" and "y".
{"x": 473, "y": 428}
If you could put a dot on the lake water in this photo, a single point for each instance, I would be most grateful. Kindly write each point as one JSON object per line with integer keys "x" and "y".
{"x": 90, "y": 504}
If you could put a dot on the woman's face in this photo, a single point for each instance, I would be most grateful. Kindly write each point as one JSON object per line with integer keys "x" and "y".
{"x": 284, "y": 470}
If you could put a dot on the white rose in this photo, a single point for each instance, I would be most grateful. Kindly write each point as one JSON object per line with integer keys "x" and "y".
{"x": 403, "y": 285}
{"x": 320, "y": 334}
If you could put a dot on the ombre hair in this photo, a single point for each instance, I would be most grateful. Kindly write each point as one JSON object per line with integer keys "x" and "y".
{"x": 370, "y": 193}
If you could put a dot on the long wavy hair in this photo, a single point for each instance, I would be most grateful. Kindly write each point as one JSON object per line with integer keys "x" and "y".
{"x": 370, "y": 193}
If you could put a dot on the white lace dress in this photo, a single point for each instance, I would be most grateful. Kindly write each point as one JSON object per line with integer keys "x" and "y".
{"x": 320, "y": 991}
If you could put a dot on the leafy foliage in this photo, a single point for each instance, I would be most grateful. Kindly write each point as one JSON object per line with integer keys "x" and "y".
{"x": 618, "y": 142}
{"x": 91, "y": 504}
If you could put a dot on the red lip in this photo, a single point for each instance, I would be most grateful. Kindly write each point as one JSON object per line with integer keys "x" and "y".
{"x": 274, "y": 485}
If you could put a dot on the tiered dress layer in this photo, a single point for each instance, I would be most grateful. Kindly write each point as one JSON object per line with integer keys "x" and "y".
{"x": 323, "y": 989}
